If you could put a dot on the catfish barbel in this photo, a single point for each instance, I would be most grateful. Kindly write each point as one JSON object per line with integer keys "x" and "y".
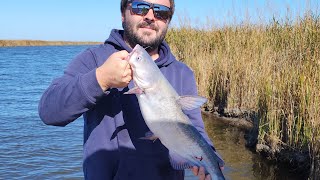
{"x": 162, "y": 109}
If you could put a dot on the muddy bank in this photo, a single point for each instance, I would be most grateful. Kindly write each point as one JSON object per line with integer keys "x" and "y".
{"x": 296, "y": 161}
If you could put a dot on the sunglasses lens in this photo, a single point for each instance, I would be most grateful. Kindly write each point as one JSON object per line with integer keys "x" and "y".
{"x": 142, "y": 8}
{"x": 162, "y": 14}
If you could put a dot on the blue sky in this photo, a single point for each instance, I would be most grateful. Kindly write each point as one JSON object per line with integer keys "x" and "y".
{"x": 92, "y": 20}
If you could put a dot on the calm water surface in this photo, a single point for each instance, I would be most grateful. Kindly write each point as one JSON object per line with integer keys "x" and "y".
{"x": 31, "y": 150}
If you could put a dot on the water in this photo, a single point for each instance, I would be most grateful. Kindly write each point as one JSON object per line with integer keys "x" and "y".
{"x": 28, "y": 148}
{"x": 31, "y": 150}
{"x": 241, "y": 163}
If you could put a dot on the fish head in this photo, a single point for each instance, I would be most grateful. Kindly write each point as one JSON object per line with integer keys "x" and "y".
{"x": 143, "y": 67}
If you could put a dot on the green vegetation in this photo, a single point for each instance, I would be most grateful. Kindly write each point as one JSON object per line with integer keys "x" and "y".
{"x": 4, "y": 43}
{"x": 272, "y": 70}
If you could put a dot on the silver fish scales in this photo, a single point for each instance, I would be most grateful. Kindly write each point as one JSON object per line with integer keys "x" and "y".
{"x": 162, "y": 109}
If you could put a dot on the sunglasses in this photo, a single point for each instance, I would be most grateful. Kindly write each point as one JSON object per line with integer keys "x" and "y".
{"x": 142, "y": 8}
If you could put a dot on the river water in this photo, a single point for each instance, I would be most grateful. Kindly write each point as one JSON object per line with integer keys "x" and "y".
{"x": 31, "y": 150}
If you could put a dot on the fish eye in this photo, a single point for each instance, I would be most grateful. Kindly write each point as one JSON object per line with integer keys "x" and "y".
{"x": 139, "y": 58}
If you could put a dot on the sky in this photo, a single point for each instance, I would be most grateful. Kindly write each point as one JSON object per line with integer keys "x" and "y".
{"x": 92, "y": 20}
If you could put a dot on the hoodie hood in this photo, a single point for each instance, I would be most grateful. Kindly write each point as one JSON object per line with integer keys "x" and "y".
{"x": 165, "y": 55}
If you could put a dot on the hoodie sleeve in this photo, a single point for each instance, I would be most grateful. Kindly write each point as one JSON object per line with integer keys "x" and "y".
{"x": 190, "y": 88}
{"x": 69, "y": 96}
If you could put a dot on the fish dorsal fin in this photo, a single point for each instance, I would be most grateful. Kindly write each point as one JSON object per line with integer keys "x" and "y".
{"x": 178, "y": 162}
{"x": 191, "y": 102}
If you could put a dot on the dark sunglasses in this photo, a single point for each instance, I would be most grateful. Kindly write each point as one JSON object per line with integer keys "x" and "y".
{"x": 142, "y": 8}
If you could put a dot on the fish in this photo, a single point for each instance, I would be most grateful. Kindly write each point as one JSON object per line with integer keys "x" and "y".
{"x": 162, "y": 109}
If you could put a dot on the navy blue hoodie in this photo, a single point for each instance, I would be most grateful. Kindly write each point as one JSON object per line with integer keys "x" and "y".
{"x": 113, "y": 124}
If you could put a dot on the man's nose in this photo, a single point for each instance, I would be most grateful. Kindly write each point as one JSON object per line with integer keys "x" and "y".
{"x": 150, "y": 15}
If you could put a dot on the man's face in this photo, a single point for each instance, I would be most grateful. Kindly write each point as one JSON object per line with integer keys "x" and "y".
{"x": 146, "y": 30}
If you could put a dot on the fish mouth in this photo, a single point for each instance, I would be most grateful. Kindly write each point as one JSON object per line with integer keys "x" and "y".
{"x": 131, "y": 53}
{"x": 136, "y": 48}
{"x": 138, "y": 78}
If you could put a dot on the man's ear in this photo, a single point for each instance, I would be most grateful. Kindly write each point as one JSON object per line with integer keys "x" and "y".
{"x": 122, "y": 17}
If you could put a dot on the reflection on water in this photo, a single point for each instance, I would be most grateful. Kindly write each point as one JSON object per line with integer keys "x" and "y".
{"x": 241, "y": 163}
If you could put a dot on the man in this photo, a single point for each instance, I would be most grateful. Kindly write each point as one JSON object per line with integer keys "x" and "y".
{"x": 93, "y": 86}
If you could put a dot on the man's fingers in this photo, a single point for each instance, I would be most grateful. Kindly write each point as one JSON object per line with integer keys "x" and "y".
{"x": 122, "y": 54}
{"x": 201, "y": 173}
{"x": 127, "y": 79}
{"x": 123, "y": 64}
{"x": 127, "y": 72}
{"x": 195, "y": 170}
{"x": 208, "y": 177}
{"x": 128, "y": 68}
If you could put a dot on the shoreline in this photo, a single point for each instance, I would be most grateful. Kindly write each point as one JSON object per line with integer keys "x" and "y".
{"x": 16, "y": 43}
{"x": 294, "y": 160}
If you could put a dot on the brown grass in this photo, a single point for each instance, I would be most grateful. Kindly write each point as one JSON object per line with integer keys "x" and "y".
{"x": 271, "y": 69}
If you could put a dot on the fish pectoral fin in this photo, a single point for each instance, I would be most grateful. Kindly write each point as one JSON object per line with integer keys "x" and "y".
{"x": 149, "y": 136}
{"x": 178, "y": 162}
{"x": 135, "y": 90}
{"x": 191, "y": 102}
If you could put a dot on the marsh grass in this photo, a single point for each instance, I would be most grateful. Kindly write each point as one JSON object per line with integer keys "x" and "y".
{"x": 271, "y": 69}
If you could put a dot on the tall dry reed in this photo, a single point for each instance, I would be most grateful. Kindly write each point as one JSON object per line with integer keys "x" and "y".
{"x": 272, "y": 69}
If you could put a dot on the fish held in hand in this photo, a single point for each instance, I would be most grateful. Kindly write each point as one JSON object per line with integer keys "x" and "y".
{"x": 162, "y": 109}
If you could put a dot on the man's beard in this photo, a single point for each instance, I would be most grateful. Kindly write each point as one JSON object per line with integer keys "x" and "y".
{"x": 133, "y": 38}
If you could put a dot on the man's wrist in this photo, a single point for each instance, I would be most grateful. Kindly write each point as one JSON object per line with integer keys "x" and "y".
{"x": 104, "y": 85}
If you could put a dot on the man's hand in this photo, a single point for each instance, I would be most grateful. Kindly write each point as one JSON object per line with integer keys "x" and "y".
{"x": 200, "y": 172}
{"x": 115, "y": 72}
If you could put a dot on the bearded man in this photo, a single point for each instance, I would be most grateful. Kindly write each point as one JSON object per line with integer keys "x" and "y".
{"x": 93, "y": 86}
